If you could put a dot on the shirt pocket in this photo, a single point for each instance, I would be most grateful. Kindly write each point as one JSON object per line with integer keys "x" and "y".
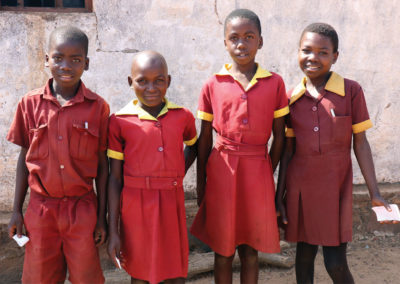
{"x": 84, "y": 142}
{"x": 39, "y": 144}
{"x": 341, "y": 130}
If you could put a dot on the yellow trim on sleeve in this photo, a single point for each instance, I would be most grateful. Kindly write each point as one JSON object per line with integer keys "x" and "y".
{"x": 362, "y": 126}
{"x": 205, "y": 115}
{"x": 191, "y": 141}
{"x": 281, "y": 112}
{"x": 115, "y": 155}
{"x": 290, "y": 132}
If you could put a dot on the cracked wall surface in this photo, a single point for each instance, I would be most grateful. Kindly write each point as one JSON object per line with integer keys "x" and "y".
{"x": 190, "y": 35}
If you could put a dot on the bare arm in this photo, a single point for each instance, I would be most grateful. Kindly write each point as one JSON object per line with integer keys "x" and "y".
{"x": 114, "y": 188}
{"x": 278, "y": 130}
{"x": 101, "y": 188}
{"x": 16, "y": 223}
{"x": 190, "y": 153}
{"x": 204, "y": 149}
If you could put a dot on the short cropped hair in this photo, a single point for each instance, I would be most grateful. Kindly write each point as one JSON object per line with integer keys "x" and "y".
{"x": 245, "y": 14}
{"x": 70, "y": 33}
{"x": 324, "y": 30}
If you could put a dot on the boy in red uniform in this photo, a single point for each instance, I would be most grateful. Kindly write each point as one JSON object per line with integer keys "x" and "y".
{"x": 148, "y": 163}
{"x": 62, "y": 131}
{"x": 243, "y": 103}
{"x": 326, "y": 112}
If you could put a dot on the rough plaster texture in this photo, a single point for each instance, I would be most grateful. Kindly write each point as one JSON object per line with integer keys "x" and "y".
{"x": 190, "y": 35}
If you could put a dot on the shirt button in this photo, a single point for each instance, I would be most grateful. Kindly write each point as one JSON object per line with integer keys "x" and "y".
{"x": 157, "y": 124}
{"x": 244, "y": 96}
{"x": 60, "y": 137}
{"x": 62, "y": 167}
{"x": 316, "y": 128}
{"x": 245, "y": 121}
{"x": 174, "y": 183}
{"x": 160, "y": 149}
{"x": 314, "y": 108}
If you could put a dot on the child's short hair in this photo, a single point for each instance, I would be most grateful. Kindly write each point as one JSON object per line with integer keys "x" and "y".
{"x": 324, "y": 30}
{"x": 70, "y": 33}
{"x": 246, "y": 14}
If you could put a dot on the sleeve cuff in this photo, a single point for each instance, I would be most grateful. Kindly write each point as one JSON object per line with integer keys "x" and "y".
{"x": 191, "y": 141}
{"x": 290, "y": 132}
{"x": 362, "y": 126}
{"x": 205, "y": 116}
{"x": 115, "y": 155}
{"x": 281, "y": 112}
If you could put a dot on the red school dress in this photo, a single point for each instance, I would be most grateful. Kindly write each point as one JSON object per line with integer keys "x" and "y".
{"x": 153, "y": 221}
{"x": 319, "y": 178}
{"x": 238, "y": 206}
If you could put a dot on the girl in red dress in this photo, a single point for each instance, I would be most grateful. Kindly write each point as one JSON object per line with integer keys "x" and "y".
{"x": 147, "y": 166}
{"x": 243, "y": 103}
{"x": 326, "y": 112}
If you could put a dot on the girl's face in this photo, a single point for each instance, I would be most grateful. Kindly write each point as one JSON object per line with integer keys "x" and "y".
{"x": 242, "y": 40}
{"x": 316, "y": 55}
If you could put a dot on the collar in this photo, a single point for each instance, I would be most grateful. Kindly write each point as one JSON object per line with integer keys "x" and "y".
{"x": 82, "y": 92}
{"x": 133, "y": 108}
{"x": 335, "y": 85}
{"x": 260, "y": 73}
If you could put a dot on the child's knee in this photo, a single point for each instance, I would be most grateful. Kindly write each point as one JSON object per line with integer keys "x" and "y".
{"x": 220, "y": 259}
{"x": 247, "y": 253}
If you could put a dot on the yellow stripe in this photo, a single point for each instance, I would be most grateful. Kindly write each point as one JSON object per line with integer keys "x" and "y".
{"x": 115, "y": 155}
{"x": 362, "y": 126}
{"x": 290, "y": 132}
{"x": 281, "y": 112}
{"x": 191, "y": 141}
{"x": 205, "y": 115}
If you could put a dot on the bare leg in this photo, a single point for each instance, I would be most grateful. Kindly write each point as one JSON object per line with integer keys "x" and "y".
{"x": 137, "y": 281}
{"x": 249, "y": 264}
{"x": 223, "y": 269}
{"x": 336, "y": 264}
{"x": 175, "y": 281}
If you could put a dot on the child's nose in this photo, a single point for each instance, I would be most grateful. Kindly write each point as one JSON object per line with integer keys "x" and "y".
{"x": 65, "y": 65}
{"x": 241, "y": 44}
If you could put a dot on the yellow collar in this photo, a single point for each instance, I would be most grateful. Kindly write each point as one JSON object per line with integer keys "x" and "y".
{"x": 132, "y": 108}
{"x": 260, "y": 73}
{"x": 335, "y": 85}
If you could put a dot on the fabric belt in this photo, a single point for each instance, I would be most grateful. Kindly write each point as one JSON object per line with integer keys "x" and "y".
{"x": 153, "y": 182}
{"x": 240, "y": 149}
{"x": 38, "y": 195}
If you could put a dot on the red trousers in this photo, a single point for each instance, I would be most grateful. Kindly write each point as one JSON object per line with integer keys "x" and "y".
{"x": 61, "y": 235}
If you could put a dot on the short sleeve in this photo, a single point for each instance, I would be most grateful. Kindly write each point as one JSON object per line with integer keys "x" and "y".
{"x": 19, "y": 129}
{"x": 115, "y": 141}
{"x": 204, "y": 110}
{"x": 281, "y": 107}
{"x": 105, "y": 113}
{"x": 190, "y": 134}
{"x": 359, "y": 111}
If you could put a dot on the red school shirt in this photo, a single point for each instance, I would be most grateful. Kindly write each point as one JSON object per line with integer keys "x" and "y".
{"x": 150, "y": 145}
{"x": 62, "y": 141}
{"x": 319, "y": 179}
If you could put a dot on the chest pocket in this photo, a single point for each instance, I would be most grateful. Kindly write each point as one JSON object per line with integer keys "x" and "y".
{"x": 84, "y": 143}
{"x": 341, "y": 130}
{"x": 39, "y": 144}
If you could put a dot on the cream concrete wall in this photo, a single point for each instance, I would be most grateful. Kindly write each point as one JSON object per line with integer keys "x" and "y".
{"x": 190, "y": 35}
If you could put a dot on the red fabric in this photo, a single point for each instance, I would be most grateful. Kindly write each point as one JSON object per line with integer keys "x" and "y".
{"x": 238, "y": 206}
{"x": 61, "y": 235}
{"x": 153, "y": 220}
{"x": 62, "y": 155}
{"x": 319, "y": 177}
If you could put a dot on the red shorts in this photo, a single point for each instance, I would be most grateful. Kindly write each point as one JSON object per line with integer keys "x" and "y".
{"x": 61, "y": 234}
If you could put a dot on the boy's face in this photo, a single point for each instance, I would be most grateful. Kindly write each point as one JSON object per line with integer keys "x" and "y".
{"x": 242, "y": 40}
{"x": 150, "y": 80}
{"x": 67, "y": 61}
{"x": 316, "y": 55}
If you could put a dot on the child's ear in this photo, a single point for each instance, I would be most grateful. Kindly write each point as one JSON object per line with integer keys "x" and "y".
{"x": 46, "y": 62}
{"x": 130, "y": 81}
{"x": 169, "y": 80}
{"x": 335, "y": 56}
{"x": 87, "y": 63}
{"x": 260, "y": 44}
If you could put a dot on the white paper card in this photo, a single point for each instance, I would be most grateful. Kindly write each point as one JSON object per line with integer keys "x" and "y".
{"x": 383, "y": 215}
{"x": 119, "y": 263}
{"x": 22, "y": 240}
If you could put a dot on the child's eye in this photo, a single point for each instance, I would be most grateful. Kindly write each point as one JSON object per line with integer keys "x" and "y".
{"x": 141, "y": 82}
{"x": 323, "y": 53}
{"x": 57, "y": 58}
{"x": 159, "y": 81}
{"x": 305, "y": 51}
{"x": 234, "y": 38}
{"x": 250, "y": 37}
{"x": 76, "y": 60}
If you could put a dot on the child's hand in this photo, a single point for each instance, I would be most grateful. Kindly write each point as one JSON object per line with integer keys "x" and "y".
{"x": 16, "y": 225}
{"x": 100, "y": 232}
{"x": 114, "y": 249}
{"x": 281, "y": 211}
{"x": 378, "y": 200}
